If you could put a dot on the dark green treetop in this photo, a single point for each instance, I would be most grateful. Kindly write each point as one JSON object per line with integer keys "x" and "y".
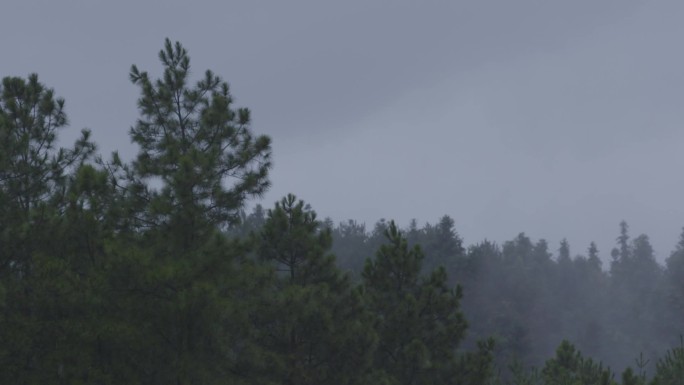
{"x": 569, "y": 367}
{"x": 316, "y": 325}
{"x": 32, "y": 170}
{"x": 418, "y": 319}
{"x": 670, "y": 367}
{"x": 42, "y": 288}
{"x": 197, "y": 144}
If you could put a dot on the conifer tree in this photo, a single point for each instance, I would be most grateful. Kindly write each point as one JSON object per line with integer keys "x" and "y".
{"x": 442, "y": 246}
{"x": 32, "y": 170}
{"x": 316, "y": 326}
{"x": 40, "y": 287}
{"x": 418, "y": 320}
{"x": 670, "y": 367}
{"x": 570, "y": 367}
{"x": 593, "y": 257}
{"x": 622, "y": 252}
{"x": 350, "y": 246}
{"x": 183, "y": 307}
{"x": 198, "y": 145}
{"x": 674, "y": 275}
{"x": 564, "y": 252}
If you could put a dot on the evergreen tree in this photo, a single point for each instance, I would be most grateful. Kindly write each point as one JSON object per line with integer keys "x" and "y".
{"x": 670, "y": 368}
{"x": 184, "y": 286}
{"x": 350, "y": 246}
{"x": 413, "y": 233}
{"x": 593, "y": 257}
{"x": 32, "y": 171}
{"x": 199, "y": 147}
{"x": 376, "y": 238}
{"x": 482, "y": 279}
{"x": 564, "y": 252}
{"x": 41, "y": 294}
{"x": 317, "y": 326}
{"x": 674, "y": 287}
{"x": 293, "y": 240}
{"x": 569, "y": 367}
{"x": 589, "y": 324}
{"x": 418, "y": 320}
{"x": 622, "y": 252}
{"x": 442, "y": 246}
{"x": 635, "y": 303}
{"x": 540, "y": 254}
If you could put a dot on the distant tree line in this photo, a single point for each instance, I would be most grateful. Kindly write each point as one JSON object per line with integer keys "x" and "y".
{"x": 152, "y": 272}
{"x": 533, "y": 301}
{"x": 530, "y": 296}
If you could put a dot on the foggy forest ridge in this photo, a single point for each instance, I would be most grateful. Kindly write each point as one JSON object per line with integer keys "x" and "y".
{"x": 196, "y": 231}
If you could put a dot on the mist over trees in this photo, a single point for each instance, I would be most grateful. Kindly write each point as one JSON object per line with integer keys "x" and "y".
{"x": 152, "y": 270}
{"x": 531, "y": 297}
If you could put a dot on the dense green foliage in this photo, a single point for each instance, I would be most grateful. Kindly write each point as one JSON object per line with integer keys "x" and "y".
{"x": 152, "y": 272}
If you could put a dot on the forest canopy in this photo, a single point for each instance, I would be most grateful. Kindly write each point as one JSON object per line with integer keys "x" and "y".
{"x": 153, "y": 271}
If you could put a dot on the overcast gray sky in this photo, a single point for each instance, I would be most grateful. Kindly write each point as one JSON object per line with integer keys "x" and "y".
{"x": 554, "y": 118}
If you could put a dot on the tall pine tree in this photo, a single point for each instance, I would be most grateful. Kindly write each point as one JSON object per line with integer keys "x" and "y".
{"x": 418, "y": 319}
{"x": 316, "y": 325}
{"x": 198, "y": 146}
{"x": 183, "y": 285}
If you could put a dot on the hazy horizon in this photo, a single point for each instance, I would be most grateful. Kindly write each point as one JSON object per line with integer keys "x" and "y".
{"x": 554, "y": 119}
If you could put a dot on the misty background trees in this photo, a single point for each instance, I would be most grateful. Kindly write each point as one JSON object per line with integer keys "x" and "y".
{"x": 153, "y": 270}
{"x": 532, "y": 298}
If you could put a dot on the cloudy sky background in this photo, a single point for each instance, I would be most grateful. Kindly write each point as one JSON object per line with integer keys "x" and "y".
{"x": 553, "y": 118}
